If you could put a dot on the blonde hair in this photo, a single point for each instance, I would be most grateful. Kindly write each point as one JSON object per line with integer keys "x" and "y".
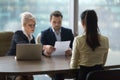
{"x": 26, "y": 16}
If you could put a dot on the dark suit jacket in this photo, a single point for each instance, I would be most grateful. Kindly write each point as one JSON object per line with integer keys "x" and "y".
{"x": 18, "y": 38}
{"x": 48, "y": 36}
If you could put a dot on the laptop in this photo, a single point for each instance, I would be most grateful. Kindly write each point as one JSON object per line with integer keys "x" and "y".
{"x": 28, "y": 51}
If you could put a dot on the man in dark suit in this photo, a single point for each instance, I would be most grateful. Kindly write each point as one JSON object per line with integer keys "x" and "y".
{"x": 55, "y": 33}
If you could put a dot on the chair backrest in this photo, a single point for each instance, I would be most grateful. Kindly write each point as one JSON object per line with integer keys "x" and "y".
{"x": 5, "y": 41}
{"x": 38, "y": 38}
{"x": 104, "y": 75}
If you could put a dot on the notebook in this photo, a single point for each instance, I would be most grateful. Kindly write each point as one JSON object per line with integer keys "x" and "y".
{"x": 28, "y": 51}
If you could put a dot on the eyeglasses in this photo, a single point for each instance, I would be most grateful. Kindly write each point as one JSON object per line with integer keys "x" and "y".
{"x": 31, "y": 25}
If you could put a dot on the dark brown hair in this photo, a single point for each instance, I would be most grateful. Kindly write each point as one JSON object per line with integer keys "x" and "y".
{"x": 91, "y": 21}
{"x": 56, "y": 14}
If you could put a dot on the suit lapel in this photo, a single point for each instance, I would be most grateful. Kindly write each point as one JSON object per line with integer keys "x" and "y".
{"x": 62, "y": 34}
{"x": 52, "y": 35}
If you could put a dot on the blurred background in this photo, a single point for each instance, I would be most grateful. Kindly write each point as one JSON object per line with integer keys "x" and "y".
{"x": 107, "y": 10}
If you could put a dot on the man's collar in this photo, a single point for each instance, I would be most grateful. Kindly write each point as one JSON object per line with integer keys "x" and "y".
{"x": 54, "y": 30}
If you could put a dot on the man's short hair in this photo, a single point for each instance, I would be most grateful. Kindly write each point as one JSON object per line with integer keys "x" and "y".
{"x": 56, "y": 14}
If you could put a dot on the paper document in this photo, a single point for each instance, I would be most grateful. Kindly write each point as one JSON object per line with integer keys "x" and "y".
{"x": 61, "y": 47}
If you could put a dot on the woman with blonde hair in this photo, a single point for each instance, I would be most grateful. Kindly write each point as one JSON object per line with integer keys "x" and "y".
{"x": 24, "y": 36}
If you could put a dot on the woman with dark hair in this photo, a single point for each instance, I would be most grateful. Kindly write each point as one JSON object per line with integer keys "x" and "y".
{"x": 90, "y": 50}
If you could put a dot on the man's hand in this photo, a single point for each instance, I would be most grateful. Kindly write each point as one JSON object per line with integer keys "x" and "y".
{"x": 68, "y": 52}
{"x": 48, "y": 50}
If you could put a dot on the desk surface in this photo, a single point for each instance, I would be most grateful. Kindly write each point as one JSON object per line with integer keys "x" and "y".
{"x": 8, "y": 65}
{"x": 47, "y": 65}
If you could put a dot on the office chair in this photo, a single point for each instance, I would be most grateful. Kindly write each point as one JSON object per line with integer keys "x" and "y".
{"x": 104, "y": 75}
{"x": 5, "y": 41}
{"x": 38, "y": 38}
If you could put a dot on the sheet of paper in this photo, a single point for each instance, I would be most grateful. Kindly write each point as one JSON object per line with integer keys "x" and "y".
{"x": 61, "y": 47}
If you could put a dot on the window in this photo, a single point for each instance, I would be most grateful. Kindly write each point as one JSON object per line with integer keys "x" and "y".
{"x": 107, "y": 10}
{"x": 11, "y": 9}
{"x": 108, "y": 19}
